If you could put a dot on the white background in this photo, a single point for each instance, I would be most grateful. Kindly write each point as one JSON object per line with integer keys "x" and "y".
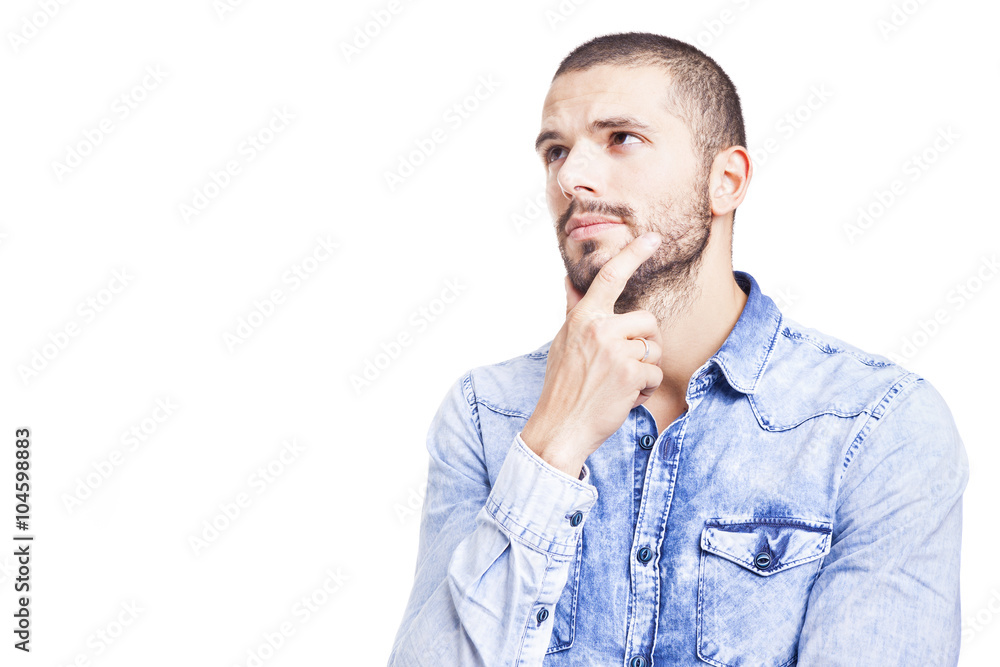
{"x": 348, "y": 503}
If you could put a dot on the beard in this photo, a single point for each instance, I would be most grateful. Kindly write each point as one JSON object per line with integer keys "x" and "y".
{"x": 665, "y": 284}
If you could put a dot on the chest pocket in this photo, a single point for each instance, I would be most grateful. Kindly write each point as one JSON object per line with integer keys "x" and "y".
{"x": 564, "y": 616}
{"x": 754, "y": 579}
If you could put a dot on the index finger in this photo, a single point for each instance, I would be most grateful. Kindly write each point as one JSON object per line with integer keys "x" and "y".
{"x": 610, "y": 280}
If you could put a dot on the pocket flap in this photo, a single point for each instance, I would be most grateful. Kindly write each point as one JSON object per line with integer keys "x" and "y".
{"x": 766, "y": 545}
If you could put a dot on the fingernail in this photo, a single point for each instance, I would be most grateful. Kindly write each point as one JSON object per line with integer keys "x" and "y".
{"x": 652, "y": 239}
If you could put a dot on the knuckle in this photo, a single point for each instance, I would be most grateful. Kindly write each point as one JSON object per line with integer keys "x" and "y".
{"x": 576, "y": 317}
{"x": 608, "y": 274}
{"x": 626, "y": 374}
{"x": 591, "y": 329}
{"x": 598, "y": 326}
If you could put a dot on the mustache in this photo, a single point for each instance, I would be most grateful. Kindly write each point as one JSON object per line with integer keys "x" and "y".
{"x": 595, "y": 206}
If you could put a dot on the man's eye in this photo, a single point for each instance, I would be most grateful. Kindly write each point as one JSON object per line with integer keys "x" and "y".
{"x": 624, "y": 134}
{"x": 550, "y": 154}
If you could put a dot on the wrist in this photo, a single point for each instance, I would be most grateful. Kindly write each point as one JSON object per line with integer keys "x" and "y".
{"x": 554, "y": 453}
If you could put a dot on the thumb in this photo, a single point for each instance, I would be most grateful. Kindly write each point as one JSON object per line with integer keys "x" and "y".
{"x": 573, "y": 295}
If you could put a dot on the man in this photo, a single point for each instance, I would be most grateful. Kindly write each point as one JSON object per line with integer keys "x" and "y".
{"x": 683, "y": 475}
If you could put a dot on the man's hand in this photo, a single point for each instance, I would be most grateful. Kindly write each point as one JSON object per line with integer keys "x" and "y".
{"x": 593, "y": 376}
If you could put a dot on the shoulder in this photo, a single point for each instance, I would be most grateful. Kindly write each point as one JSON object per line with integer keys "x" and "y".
{"x": 812, "y": 373}
{"x": 512, "y": 386}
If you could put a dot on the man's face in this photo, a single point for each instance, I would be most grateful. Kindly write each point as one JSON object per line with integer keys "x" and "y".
{"x": 611, "y": 150}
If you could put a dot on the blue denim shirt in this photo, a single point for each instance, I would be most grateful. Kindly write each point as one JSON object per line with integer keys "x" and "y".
{"x": 806, "y": 509}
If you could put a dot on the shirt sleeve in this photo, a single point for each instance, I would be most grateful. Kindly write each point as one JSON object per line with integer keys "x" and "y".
{"x": 489, "y": 559}
{"x": 888, "y": 591}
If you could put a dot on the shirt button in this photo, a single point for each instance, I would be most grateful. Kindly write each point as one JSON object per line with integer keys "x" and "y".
{"x": 576, "y": 518}
{"x": 644, "y": 554}
{"x": 762, "y": 560}
{"x": 646, "y": 441}
{"x": 637, "y": 661}
{"x": 542, "y": 615}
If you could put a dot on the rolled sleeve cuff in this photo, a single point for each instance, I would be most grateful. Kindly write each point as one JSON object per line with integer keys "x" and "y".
{"x": 538, "y": 503}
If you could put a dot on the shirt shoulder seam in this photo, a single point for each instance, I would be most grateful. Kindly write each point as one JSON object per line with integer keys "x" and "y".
{"x": 891, "y": 396}
{"x": 469, "y": 391}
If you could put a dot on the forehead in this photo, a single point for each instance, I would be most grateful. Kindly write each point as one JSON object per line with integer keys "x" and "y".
{"x": 603, "y": 89}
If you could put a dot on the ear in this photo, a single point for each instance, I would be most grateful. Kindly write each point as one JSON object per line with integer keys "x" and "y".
{"x": 729, "y": 179}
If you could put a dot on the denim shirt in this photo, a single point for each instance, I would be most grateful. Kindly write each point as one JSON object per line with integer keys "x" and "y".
{"x": 806, "y": 509}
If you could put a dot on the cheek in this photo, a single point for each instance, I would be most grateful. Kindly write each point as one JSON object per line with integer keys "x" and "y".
{"x": 642, "y": 187}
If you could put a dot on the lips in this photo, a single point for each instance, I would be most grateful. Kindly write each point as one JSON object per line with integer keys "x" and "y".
{"x": 587, "y": 220}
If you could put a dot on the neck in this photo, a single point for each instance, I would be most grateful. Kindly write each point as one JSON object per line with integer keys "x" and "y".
{"x": 695, "y": 319}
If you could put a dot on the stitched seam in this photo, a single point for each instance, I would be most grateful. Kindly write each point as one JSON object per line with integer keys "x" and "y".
{"x": 770, "y": 351}
{"x": 576, "y": 561}
{"x": 497, "y": 511}
{"x": 469, "y": 389}
{"x": 531, "y": 611}
{"x": 563, "y": 478}
{"x": 910, "y": 379}
{"x": 830, "y": 349}
{"x": 790, "y": 522}
{"x": 781, "y": 566}
{"x": 774, "y": 428}
{"x": 753, "y": 521}
{"x": 503, "y": 411}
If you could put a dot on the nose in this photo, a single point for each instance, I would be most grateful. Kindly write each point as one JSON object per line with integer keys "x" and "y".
{"x": 578, "y": 176}
{"x": 566, "y": 193}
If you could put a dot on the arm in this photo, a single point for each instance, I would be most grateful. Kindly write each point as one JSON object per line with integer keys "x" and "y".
{"x": 488, "y": 559}
{"x": 888, "y": 591}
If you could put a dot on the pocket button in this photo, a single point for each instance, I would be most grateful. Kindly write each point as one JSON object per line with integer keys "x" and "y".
{"x": 762, "y": 560}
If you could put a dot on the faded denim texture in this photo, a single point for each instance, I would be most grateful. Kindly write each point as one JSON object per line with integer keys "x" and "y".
{"x": 806, "y": 509}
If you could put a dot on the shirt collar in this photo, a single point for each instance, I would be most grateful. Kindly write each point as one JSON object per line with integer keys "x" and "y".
{"x": 747, "y": 349}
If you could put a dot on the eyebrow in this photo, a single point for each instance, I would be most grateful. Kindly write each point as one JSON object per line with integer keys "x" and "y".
{"x": 612, "y": 122}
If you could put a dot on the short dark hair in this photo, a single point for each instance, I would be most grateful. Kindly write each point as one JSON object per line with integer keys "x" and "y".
{"x": 701, "y": 94}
